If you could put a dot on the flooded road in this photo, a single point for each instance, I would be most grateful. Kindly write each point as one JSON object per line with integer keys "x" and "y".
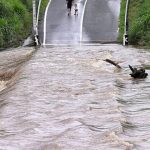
{"x": 68, "y": 98}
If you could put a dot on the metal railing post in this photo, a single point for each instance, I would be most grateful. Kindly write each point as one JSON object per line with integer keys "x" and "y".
{"x": 38, "y": 12}
{"x": 125, "y": 36}
{"x": 35, "y": 29}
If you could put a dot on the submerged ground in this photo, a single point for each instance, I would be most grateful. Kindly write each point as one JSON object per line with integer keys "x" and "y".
{"x": 68, "y": 97}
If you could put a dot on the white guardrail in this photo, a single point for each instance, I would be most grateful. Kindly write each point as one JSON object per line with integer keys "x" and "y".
{"x": 125, "y": 36}
{"x": 36, "y": 11}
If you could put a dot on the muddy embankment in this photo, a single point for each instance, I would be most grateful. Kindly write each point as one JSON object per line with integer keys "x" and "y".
{"x": 10, "y": 66}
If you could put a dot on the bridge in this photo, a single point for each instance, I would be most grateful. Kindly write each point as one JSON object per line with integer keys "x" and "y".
{"x": 66, "y": 97}
{"x": 97, "y": 22}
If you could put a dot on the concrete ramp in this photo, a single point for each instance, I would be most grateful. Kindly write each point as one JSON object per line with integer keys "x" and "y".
{"x": 101, "y": 21}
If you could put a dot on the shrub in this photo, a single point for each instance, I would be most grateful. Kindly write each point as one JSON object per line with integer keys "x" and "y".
{"x": 6, "y": 9}
{"x": 121, "y": 23}
{"x": 139, "y": 23}
{"x": 16, "y": 21}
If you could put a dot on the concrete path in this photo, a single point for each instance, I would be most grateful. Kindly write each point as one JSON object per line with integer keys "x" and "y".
{"x": 101, "y": 21}
{"x": 61, "y": 28}
{"x": 97, "y": 22}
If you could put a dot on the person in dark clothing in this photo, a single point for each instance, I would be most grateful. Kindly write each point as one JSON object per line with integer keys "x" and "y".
{"x": 69, "y": 6}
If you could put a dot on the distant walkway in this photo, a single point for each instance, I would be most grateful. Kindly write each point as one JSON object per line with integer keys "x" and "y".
{"x": 61, "y": 28}
{"x": 101, "y": 21}
{"x": 97, "y": 22}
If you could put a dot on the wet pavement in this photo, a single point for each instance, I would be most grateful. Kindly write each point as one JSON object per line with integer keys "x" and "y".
{"x": 61, "y": 28}
{"x": 101, "y": 21}
{"x": 97, "y": 22}
{"x": 68, "y": 98}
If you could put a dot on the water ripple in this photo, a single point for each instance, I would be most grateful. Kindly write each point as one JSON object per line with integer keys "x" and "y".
{"x": 69, "y": 98}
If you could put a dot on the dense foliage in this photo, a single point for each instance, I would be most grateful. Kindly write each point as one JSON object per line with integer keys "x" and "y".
{"x": 121, "y": 22}
{"x": 16, "y": 21}
{"x": 139, "y": 22}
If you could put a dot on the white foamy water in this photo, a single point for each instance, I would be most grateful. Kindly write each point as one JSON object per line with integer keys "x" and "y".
{"x": 68, "y": 98}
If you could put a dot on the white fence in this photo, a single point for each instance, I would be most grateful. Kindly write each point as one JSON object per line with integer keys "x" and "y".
{"x": 125, "y": 36}
{"x": 36, "y": 10}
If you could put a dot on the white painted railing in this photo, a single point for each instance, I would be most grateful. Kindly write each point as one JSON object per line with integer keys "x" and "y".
{"x": 36, "y": 12}
{"x": 125, "y": 36}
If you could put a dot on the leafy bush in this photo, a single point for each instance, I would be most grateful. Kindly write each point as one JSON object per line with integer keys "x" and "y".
{"x": 121, "y": 22}
{"x": 140, "y": 26}
{"x": 16, "y": 21}
{"x": 5, "y": 9}
{"x": 28, "y": 4}
{"x": 139, "y": 22}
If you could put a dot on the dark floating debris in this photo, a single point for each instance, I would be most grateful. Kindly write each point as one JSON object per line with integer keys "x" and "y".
{"x": 138, "y": 73}
{"x": 113, "y": 63}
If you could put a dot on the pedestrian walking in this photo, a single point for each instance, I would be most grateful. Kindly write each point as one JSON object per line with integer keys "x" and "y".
{"x": 75, "y": 9}
{"x": 69, "y": 6}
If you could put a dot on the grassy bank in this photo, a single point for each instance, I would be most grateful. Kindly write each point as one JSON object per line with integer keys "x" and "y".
{"x": 16, "y": 21}
{"x": 139, "y": 22}
{"x": 121, "y": 23}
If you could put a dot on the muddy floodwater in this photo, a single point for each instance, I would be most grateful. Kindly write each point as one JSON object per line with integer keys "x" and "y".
{"x": 69, "y": 98}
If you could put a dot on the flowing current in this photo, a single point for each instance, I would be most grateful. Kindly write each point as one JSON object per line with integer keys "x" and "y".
{"x": 69, "y": 98}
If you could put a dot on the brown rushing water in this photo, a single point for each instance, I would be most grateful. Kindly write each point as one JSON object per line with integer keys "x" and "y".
{"x": 68, "y": 98}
